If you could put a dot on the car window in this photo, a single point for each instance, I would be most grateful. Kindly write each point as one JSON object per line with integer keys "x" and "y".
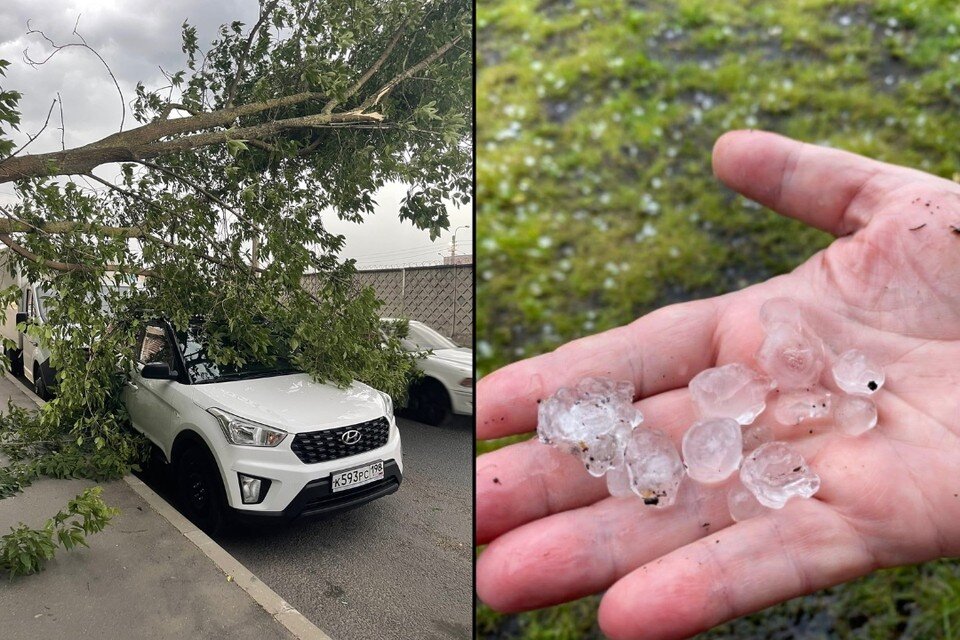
{"x": 193, "y": 343}
{"x": 422, "y": 337}
{"x": 154, "y": 346}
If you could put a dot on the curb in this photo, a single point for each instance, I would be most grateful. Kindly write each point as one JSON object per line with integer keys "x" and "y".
{"x": 278, "y": 608}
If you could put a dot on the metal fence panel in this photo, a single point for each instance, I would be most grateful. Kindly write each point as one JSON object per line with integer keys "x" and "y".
{"x": 440, "y": 296}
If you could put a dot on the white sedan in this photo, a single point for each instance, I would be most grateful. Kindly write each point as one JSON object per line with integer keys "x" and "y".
{"x": 447, "y": 383}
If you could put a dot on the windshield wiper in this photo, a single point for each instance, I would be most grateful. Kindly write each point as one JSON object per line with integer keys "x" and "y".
{"x": 271, "y": 373}
{"x": 247, "y": 375}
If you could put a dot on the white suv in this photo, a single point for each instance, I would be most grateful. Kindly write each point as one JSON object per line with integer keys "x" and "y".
{"x": 259, "y": 441}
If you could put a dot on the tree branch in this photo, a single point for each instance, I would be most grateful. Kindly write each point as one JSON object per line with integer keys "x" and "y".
{"x": 170, "y": 106}
{"x": 128, "y": 146}
{"x": 202, "y": 191}
{"x": 32, "y": 257}
{"x": 57, "y": 48}
{"x": 8, "y": 226}
{"x": 155, "y": 238}
{"x": 35, "y": 136}
{"x": 242, "y": 61}
{"x": 378, "y": 63}
{"x": 389, "y": 86}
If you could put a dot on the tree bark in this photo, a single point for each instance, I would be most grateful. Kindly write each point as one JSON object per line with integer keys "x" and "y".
{"x": 145, "y": 143}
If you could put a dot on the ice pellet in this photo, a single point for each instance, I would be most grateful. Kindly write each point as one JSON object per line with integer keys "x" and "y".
{"x": 780, "y": 311}
{"x": 654, "y": 466}
{"x": 592, "y": 420}
{"x": 618, "y": 482}
{"x": 732, "y": 391}
{"x": 742, "y": 504}
{"x": 776, "y": 472}
{"x": 712, "y": 449}
{"x": 854, "y": 415}
{"x": 854, "y": 372}
{"x": 756, "y": 435}
{"x": 792, "y": 356}
{"x": 793, "y": 407}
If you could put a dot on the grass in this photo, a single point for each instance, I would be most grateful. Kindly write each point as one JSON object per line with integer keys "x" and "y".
{"x": 596, "y": 202}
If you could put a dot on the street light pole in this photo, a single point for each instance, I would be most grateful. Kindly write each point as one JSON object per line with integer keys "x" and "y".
{"x": 453, "y": 262}
{"x": 453, "y": 245}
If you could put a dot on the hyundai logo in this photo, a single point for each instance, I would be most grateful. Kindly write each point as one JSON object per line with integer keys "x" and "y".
{"x": 351, "y": 437}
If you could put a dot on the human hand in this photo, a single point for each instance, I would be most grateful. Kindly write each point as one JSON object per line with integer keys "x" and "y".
{"x": 888, "y": 285}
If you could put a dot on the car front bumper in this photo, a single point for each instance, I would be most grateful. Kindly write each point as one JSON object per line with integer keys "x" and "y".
{"x": 297, "y": 488}
{"x": 317, "y": 499}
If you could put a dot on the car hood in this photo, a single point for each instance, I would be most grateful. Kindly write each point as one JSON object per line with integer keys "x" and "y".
{"x": 294, "y": 402}
{"x": 462, "y": 356}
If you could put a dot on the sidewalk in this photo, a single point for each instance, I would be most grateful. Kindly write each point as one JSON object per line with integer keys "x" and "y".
{"x": 140, "y": 578}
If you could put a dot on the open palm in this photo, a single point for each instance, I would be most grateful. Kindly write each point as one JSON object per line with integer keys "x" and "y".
{"x": 888, "y": 285}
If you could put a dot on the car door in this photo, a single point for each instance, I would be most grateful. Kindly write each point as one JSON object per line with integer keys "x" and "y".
{"x": 150, "y": 402}
{"x": 30, "y": 344}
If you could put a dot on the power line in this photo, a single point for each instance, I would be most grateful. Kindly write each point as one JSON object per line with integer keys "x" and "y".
{"x": 419, "y": 249}
{"x": 393, "y": 251}
{"x": 395, "y": 260}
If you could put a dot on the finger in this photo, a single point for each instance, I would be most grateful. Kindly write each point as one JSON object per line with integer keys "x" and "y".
{"x": 528, "y": 481}
{"x": 658, "y": 352}
{"x": 826, "y": 188}
{"x": 576, "y": 553}
{"x": 753, "y": 564}
{"x": 568, "y": 553}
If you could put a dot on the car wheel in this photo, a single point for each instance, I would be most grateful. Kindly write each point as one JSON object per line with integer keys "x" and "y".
{"x": 154, "y": 469}
{"x": 16, "y": 361}
{"x": 200, "y": 490}
{"x": 433, "y": 403}
{"x": 39, "y": 384}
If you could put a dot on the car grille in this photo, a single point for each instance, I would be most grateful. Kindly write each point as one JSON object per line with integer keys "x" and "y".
{"x": 322, "y": 446}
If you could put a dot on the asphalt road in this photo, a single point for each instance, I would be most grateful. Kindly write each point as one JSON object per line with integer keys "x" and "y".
{"x": 398, "y": 567}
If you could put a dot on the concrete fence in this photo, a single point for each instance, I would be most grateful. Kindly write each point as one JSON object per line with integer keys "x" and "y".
{"x": 440, "y": 296}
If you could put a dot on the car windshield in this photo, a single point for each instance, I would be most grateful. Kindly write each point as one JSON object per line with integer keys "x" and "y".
{"x": 202, "y": 368}
{"x": 420, "y": 337}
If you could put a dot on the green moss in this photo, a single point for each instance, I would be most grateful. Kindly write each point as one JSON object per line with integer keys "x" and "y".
{"x": 596, "y": 202}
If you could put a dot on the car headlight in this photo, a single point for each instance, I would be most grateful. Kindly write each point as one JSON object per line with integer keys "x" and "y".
{"x": 387, "y": 400}
{"x": 466, "y": 382}
{"x": 247, "y": 432}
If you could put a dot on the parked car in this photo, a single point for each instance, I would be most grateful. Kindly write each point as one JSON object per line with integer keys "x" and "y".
{"x": 259, "y": 441}
{"x": 447, "y": 383}
{"x": 28, "y": 358}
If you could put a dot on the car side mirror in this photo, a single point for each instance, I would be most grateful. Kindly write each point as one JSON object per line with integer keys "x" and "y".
{"x": 22, "y": 317}
{"x": 158, "y": 371}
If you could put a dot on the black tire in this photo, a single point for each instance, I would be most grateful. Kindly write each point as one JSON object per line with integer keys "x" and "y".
{"x": 40, "y": 385}
{"x": 16, "y": 361}
{"x": 432, "y": 403}
{"x": 155, "y": 470}
{"x": 200, "y": 489}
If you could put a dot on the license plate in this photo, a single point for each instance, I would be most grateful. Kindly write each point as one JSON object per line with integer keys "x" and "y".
{"x": 356, "y": 477}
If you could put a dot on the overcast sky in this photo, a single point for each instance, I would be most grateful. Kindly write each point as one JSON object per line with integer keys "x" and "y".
{"x": 136, "y": 38}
